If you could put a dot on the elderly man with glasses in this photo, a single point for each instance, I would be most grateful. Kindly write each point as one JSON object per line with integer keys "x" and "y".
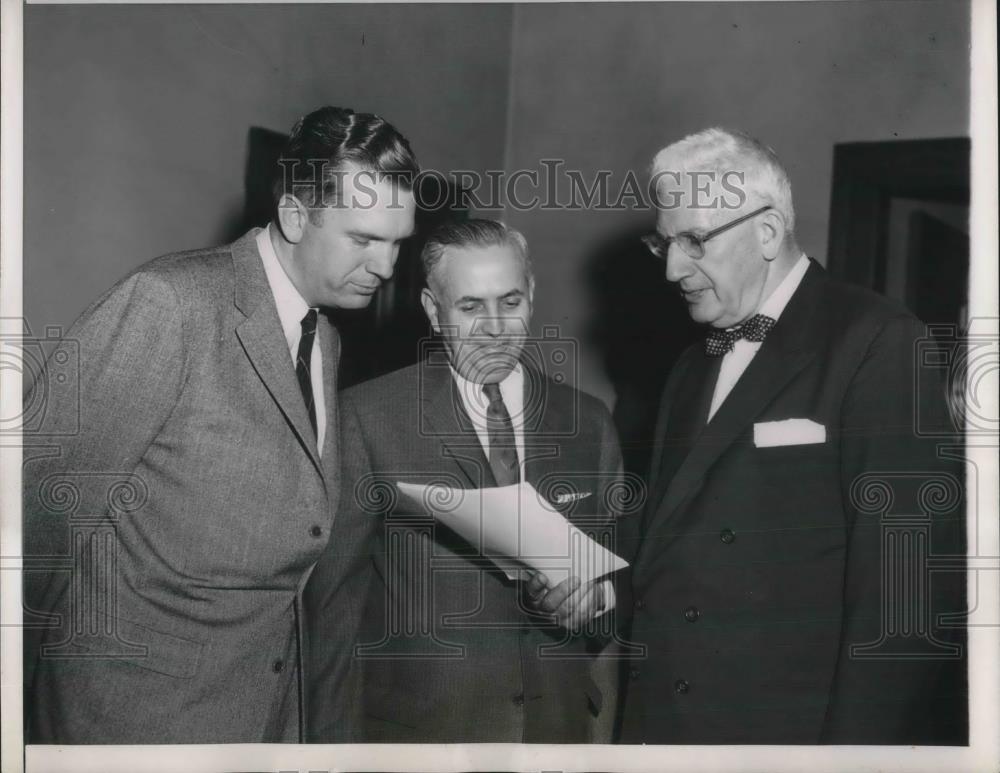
{"x": 781, "y": 584}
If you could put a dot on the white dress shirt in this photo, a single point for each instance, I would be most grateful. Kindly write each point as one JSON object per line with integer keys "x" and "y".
{"x": 291, "y": 309}
{"x": 512, "y": 392}
{"x": 734, "y": 363}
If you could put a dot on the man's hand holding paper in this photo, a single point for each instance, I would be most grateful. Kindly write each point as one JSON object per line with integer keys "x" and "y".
{"x": 571, "y": 602}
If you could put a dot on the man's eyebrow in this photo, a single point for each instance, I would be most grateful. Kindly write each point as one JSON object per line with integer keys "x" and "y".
{"x": 514, "y": 293}
{"x": 371, "y": 237}
{"x": 365, "y": 235}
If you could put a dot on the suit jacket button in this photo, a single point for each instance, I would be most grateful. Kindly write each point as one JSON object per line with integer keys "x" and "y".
{"x": 278, "y": 666}
{"x": 518, "y": 700}
{"x": 691, "y": 614}
{"x": 316, "y": 531}
{"x": 633, "y": 673}
{"x": 727, "y": 536}
{"x": 681, "y": 686}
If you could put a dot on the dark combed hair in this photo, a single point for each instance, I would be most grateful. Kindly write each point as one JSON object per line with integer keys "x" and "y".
{"x": 472, "y": 233}
{"x": 323, "y": 141}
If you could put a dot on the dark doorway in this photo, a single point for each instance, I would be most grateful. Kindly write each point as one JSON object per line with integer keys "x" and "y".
{"x": 899, "y": 223}
{"x": 938, "y": 263}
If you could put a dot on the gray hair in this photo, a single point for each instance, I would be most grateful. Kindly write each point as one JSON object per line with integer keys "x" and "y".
{"x": 722, "y": 151}
{"x": 472, "y": 233}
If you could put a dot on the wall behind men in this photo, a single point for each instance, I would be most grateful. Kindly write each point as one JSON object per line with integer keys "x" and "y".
{"x": 136, "y": 117}
{"x": 604, "y": 86}
{"x": 136, "y": 121}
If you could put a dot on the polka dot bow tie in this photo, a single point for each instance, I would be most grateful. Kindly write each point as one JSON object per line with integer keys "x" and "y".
{"x": 755, "y": 329}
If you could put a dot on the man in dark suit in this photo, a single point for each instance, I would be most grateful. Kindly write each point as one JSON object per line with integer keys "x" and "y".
{"x": 202, "y": 482}
{"x": 454, "y": 651}
{"x": 781, "y": 583}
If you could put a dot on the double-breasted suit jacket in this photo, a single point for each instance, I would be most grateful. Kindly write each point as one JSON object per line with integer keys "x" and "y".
{"x": 761, "y": 564}
{"x": 182, "y": 515}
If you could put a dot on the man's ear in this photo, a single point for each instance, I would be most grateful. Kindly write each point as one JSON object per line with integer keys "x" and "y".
{"x": 771, "y": 231}
{"x": 531, "y": 289}
{"x": 292, "y": 217}
{"x": 429, "y": 303}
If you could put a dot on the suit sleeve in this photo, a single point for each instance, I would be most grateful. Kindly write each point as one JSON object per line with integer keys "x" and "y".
{"x": 611, "y": 468}
{"x": 129, "y": 347}
{"x": 615, "y": 493}
{"x": 885, "y": 693}
{"x": 630, "y": 533}
{"x": 125, "y": 362}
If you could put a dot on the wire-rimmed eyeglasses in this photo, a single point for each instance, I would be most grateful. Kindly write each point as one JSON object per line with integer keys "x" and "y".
{"x": 691, "y": 243}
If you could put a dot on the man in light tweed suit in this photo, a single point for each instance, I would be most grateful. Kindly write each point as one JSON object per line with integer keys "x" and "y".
{"x": 202, "y": 484}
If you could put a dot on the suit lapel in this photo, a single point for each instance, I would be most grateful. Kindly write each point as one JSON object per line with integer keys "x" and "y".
{"x": 543, "y": 418}
{"x": 264, "y": 342}
{"x": 786, "y": 351}
{"x": 686, "y": 422}
{"x": 329, "y": 339}
{"x": 443, "y": 415}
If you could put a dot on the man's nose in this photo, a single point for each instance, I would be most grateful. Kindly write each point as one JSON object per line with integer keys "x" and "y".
{"x": 383, "y": 260}
{"x": 678, "y": 264}
{"x": 493, "y": 325}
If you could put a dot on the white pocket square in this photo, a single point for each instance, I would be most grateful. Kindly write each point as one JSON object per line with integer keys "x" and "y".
{"x": 565, "y": 499}
{"x": 790, "y": 432}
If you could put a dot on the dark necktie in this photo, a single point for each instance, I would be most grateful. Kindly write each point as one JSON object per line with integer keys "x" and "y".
{"x": 503, "y": 451}
{"x": 302, "y": 361}
{"x": 755, "y": 329}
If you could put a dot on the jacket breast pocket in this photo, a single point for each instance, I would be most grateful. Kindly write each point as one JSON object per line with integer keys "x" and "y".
{"x": 793, "y": 459}
{"x": 143, "y": 647}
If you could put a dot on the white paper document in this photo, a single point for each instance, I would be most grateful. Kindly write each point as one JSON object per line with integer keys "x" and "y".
{"x": 517, "y": 529}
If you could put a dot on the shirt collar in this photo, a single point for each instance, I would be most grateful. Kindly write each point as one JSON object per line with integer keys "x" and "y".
{"x": 776, "y": 301}
{"x": 292, "y": 307}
